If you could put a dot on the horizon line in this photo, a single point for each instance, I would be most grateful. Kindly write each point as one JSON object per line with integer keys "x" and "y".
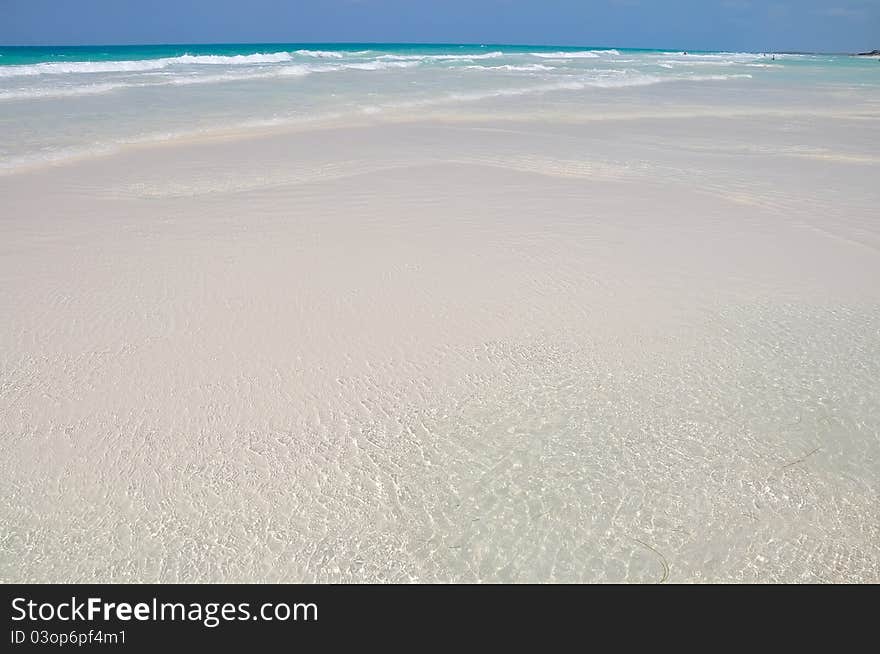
{"x": 413, "y": 43}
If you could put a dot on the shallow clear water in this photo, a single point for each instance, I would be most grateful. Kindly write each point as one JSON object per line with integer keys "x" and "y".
{"x": 62, "y": 102}
{"x": 600, "y": 316}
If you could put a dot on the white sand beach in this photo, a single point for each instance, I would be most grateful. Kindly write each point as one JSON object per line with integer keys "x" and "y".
{"x": 510, "y": 340}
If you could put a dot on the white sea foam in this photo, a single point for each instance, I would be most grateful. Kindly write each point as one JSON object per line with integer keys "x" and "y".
{"x": 281, "y": 71}
{"x": 503, "y": 93}
{"x": 85, "y": 67}
{"x": 565, "y": 55}
{"x": 449, "y": 57}
{"x": 696, "y": 62}
{"x": 473, "y": 96}
{"x": 713, "y": 56}
{"x": 380, "y": 65}
{"x": 320, "y": 54}
{"x": 97, "y": 89}
{"x": 512, "y": 68}
{"x": 631, "y": 80}
{"x": 59, "y": 92}
{"x": 578, "y": 54}
{"x": 270, "y": 58}
{"x": 623, "y": 80}
{"x": 59, "y": 68}
{"x": 333, "y": 54}
{"x": 293, "y": 70}
{"x": 716, "y": 78}
{"x": 607, "y": 78}
{"x": 723, "y": 63}
{"x": 258, "y": 73}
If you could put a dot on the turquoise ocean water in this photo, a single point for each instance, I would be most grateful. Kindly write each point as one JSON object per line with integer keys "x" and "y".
{"x": 62, "y": 102}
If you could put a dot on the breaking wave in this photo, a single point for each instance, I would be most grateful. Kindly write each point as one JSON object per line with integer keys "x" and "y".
{"x": 84, "y": 67}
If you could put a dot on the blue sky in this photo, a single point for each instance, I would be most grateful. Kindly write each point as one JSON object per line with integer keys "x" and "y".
{"x": 826, "y": 25}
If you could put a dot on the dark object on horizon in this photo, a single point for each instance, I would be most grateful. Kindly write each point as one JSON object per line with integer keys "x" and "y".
{"x": 873, "y": 53}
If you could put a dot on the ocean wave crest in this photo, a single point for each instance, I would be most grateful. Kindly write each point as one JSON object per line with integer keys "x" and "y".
{"x": 127, "y": 66}
{"x": 320, "y": 54}
{"x": 449, "y": 57}
{"x": 575, "y": 54}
